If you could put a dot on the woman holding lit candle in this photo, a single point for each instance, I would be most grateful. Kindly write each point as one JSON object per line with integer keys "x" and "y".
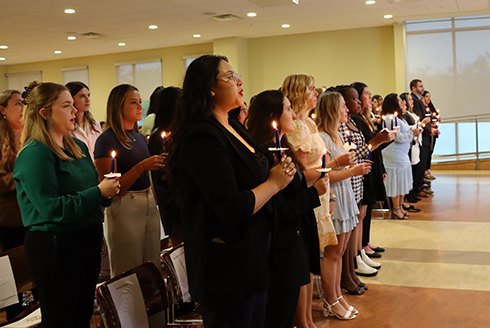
{"x": 435, "y": 119}
{"x": 332, "y": 111}
{"x": 300, "y": 91}
{"x": 224, "y": 183}
{"x": 166, "y": 103}
{"x": 295, "y": 242}
{"x": 398, "y": 182}
{"x": 87, "y": 129}
{"x": 60, "y": 199}
{"x": 132, "y": 226}
{"x": 373, "y": 185}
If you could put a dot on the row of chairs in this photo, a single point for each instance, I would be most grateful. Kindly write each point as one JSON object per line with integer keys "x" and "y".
{"x": 139, "y": 297}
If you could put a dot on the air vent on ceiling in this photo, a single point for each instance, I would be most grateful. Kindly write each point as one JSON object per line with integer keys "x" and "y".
{"x": 225, "y": 18}
{"x": 90, "y": 35}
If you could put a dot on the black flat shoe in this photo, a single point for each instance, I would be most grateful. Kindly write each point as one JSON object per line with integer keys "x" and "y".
{"x": 378, "y": 249}
{"x": 374, "y": 255}
{"x": 411, "y": 209}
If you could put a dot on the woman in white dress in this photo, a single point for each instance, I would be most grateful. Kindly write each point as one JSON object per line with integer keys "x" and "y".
{"x": 331, "y": 111}
{"x": 395, "y": 156}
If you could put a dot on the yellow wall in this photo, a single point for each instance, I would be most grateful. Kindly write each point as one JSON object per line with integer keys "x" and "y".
{"x": 3, "y": 79}
{"x": 102, "y": 71}
{"x": 334, "y": 57}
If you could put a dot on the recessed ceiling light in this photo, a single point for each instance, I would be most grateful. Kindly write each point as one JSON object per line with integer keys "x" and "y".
{"x": 152, "y": 27}
{"x": 370, "y": 2}
{"x": 285, "y": 25}
{"x": 251, "y": 14}
{"x": 121, "y": 44}
{"x": 197, "y": 35}
{"x": 69, "y": 11}
{"x": 388, "y": 16}
{"x": 57, "y": 52}
{"x": 2, "y": 58}
{"x": 72, "y": 38}
{"x": 4, "y": 47}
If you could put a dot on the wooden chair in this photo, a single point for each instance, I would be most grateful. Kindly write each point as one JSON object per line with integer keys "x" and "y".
{"x": 175, "y": 279}
{"x": 23, "y": 281}
{"x": 153, "y": 291}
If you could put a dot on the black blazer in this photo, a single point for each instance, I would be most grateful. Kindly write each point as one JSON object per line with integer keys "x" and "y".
{"x": 295, "y": 240}
{"x": 420, "y": 110}
{"x": 226, "y": 245}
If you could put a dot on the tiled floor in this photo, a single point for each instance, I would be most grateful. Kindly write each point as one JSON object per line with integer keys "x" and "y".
{"x": 436, "y": 268}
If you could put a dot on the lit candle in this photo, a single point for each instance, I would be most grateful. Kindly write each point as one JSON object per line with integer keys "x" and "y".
{"x": 278, "y": 139}
{"x": 369, "y": 152}
{"x": 147, "y": 138}
{"x": 396, "y": 119}
{"x": 427, "y": 111}
{"x": 313, "y": 116}
{"x": 437, "y": 125}
{"x": 163, "y": 141}
{"x": 348, "y": 136}
{"x": 418, "y": 120}
{"x": 112, "y": 163}
{"x": 324, "y": 161}
{"x": 392, "y": 124}
{"x": 384, "y": 121}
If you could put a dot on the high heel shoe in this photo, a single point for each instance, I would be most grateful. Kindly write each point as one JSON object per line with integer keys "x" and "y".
{"x": 353, "y": 309}
{"x": 395, "y": 216}
{"x": 368, "y": 261}
{"x": 348, "y": 315}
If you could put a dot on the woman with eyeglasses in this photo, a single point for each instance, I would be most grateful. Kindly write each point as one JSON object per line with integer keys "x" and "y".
{"x": 224, "y": 183}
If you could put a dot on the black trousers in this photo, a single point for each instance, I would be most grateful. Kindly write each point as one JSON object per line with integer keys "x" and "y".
{"x": 366, "y": 226}
{"x": 418, "y": 170}
{"x": 65, "y": 267}
{"x": 281, "y": 307}
{"x": 247, "y": 313}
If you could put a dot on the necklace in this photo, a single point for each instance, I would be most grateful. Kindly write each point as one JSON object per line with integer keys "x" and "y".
{"x": 131, "y": 135}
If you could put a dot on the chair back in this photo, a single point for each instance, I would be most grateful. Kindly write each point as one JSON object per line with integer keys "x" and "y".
{"x": 23, "y": 280}
{"x": 152, "y": 288}
{"x": 174, "y": 262}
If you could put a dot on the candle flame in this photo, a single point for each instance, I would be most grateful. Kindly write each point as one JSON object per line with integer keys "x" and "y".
{"x": 396, "y": 113}
{"x": 313, "y": 116}
{"x": 433, "y": 114}
{"x": 147, "y": 137}
{"x": 383, "y": 117}
{"x": 437, "y": 110}
{"x": 113, "y": 153}
{"x": 163, "y": 134}
{"x": 274, "y": 125}
{"x": 324, "y": 150}
{"x": 347, "y": 132}
{"x": 370, "y": 147}
{"x": 427, "y": 109}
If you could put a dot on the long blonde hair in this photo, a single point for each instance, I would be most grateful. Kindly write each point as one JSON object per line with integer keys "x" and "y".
{"x": 115, "y": 104}
{"x": 9, "y": 146}
{"x": 296, "y": 87}
{"x": 43, "y": 95}
{"x": 328, "y": 113}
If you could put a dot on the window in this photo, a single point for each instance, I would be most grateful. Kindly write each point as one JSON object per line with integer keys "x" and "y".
{"x": 17, "y": 81}
{"x": 146, "y": 76}
{"x": 71, "y": 74}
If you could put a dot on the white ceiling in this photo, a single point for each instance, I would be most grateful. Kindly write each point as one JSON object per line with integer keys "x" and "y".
{"x": 33, "y": 30}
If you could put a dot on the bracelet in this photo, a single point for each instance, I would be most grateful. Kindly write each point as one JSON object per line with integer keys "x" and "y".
{"x": 337, "y": 162}
{"x": 333, "y": 200}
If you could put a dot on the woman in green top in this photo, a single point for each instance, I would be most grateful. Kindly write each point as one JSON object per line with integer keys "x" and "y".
{"x": 60, "y": 200}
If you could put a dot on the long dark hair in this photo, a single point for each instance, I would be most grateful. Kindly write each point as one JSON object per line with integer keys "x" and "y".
{"x": 153, "y": 107}
{"x": 268, "y": 106}
{"x": 391, "y": 105}
{"x": 195, "y": 106}
{"x": 74, "y": 88}
{"x": 431, "y": 106}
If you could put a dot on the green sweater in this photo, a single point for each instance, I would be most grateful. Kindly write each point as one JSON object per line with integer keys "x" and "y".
{"x": 56, "y": 195}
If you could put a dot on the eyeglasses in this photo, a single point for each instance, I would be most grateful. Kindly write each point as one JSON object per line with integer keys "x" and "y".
{"x": 233, "y": 77}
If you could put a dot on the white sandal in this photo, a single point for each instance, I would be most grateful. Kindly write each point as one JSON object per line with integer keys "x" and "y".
{"x": 330, "y": 312}
{"x": 351, "y": 308}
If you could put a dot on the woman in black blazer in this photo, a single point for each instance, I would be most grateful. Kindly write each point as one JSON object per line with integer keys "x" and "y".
{"x": 224, "y": 185}
{"x": 295, "y": 240}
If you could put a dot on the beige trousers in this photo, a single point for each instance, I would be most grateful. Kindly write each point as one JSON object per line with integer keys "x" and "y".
{"x": 132, "y": 231}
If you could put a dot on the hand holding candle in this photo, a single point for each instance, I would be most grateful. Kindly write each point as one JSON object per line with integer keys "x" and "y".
{"x": 384, "y": 121}
{"x": 396, "y": 120}
{"x": 369, "y": 152}
{"x": 349, "y": 137}
{"x": 427, "y": 111}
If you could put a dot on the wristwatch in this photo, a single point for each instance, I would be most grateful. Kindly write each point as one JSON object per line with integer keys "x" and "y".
{"x": 333, "y": 198}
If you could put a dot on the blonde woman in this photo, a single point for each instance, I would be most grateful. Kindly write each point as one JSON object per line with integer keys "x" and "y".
{"x": 300, "y": 91}
{"x": 331, "y": 111}
{"x": 60, "y": 200}
{"x": 132, "y": 227}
